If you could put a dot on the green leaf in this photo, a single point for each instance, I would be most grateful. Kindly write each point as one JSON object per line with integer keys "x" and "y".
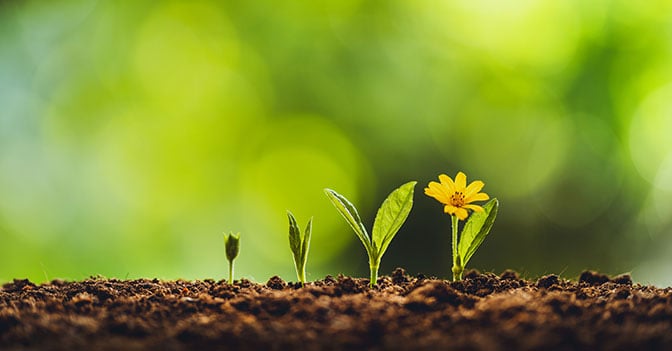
{"x": 232, "y": 245}
{"x": 349, "y": 212}
{"x": 476, "y": 229}
{"x": 391, "y": 216}
{"x": 299, "y": 245}
{"x": 294, "y": 238}
{"x": 305, "y": 245}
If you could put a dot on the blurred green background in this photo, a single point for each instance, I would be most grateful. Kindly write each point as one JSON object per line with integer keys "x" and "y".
{"x": 133, "y": 134}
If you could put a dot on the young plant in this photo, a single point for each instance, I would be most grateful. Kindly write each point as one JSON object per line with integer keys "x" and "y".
{"x": 299, "y": 245}
{"x": 457, "y": 198}
{"x": 232, "y": 246}
{"x": 390, "y": 217}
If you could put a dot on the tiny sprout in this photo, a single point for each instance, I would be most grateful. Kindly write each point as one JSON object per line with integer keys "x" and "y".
{"x": 299, "y": 246}
{"x": 232, "y": 246}
{"x": 390, "y": 217}
{"x": 457, "y": 198}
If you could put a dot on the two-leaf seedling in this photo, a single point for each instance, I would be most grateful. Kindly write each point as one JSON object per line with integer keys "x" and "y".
{"x": 299, "y": 244}
{"x": 474, "y": 232}
{"x": 390, "y": 217}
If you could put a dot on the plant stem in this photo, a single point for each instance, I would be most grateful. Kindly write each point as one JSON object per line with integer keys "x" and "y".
{"x": 231, "y": 272}
{"x": 457, "y": 264}
{"x": 302, "y": 275}
{"x": 374, "y": 272}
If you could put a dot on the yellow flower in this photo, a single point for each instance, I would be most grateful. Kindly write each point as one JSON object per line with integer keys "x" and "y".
{"x": 457, "y": 196}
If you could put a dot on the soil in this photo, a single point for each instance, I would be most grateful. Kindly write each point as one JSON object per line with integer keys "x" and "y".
{"x": 482, "y": 312}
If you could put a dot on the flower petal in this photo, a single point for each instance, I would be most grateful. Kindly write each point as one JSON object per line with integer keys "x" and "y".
{"x": 473, "y": 188}
{"x": 438, "y": 192}
{"x": 477, "y": 197}
{"x": 474, "y": 208}
{"x": 449, "y": 209}
{"x": 447, "y": 182}
{"x": 430, "y": 190}
{"x": 462, "y": 214}
{"x": 460, "y": 182}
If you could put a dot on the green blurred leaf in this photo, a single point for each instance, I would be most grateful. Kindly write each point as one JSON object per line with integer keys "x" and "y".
{"x": 305, "y": 245}
{"x": 391, "y": 216}
{"x": 299, "y": 245}
{"x": 476, "y": 229}
{"x": 294, "y": 238}
{"x": 349, "y": 212}
{"x": 232, "y": 245}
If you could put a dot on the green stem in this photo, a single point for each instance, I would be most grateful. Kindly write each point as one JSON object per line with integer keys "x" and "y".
{"x": 374, "y": 272}
{"x": 457, "y": 264}
{"x": 231, "y": 272}
{"x": 302, "y": 275}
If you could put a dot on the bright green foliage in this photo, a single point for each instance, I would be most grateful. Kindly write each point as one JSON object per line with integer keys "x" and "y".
{"x": 232, "y": 246}
{"x": 476, "y": 229}
{"x": 390, "y": 217}
{"x": 299, "y": 244}
{"x": 474, "y": 232}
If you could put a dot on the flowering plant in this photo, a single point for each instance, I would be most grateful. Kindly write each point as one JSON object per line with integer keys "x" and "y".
{"x": 457, "y": 199}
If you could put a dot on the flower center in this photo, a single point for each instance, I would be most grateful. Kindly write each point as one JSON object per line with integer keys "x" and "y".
{"x": 457, "y": 199}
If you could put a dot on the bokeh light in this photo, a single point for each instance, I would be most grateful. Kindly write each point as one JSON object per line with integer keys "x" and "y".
{"x": 133, "y": 135}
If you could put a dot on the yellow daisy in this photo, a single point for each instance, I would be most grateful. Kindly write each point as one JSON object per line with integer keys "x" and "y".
{"x": 457, "y": 196}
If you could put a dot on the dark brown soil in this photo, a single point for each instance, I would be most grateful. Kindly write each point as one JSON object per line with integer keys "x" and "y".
{"x": 483, "y": 312}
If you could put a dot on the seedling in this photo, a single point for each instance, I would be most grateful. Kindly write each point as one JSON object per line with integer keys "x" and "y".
{"x": 232, "y": 246}
{"x": 390, "y": 217}
{"x": 457, "y": 198}
{"x": 299, "y": 245}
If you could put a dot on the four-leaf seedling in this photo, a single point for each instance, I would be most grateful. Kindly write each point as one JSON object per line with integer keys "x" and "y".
{"x": 390, "y": 217}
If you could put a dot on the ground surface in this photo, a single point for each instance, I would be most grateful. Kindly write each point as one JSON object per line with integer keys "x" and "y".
{"x": 483, "y": 312}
